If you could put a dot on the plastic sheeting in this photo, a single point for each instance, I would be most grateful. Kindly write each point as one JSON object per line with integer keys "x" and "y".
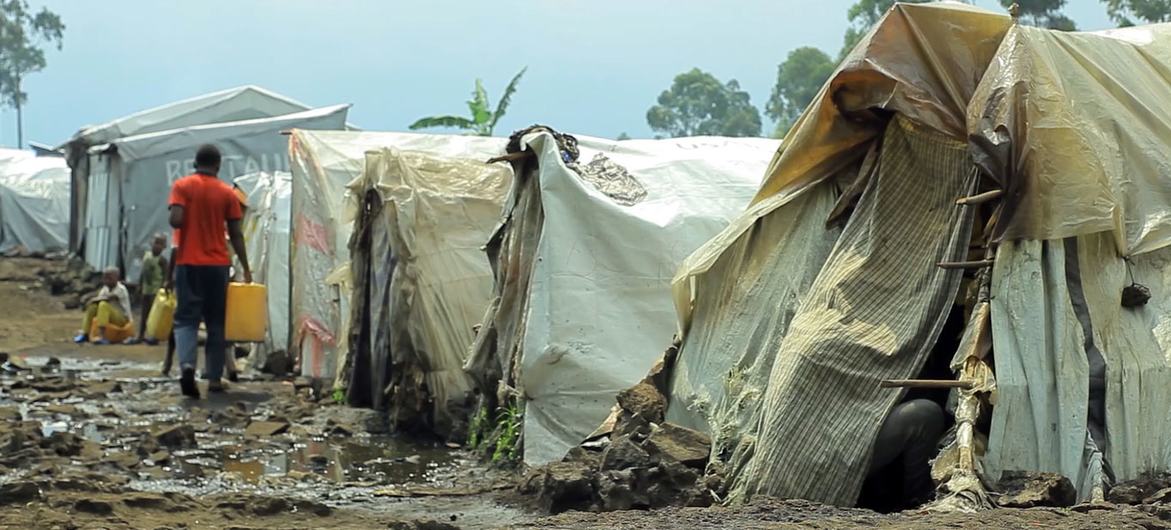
{"x": 236, "y": 104}
{"x": 34, "y": 203}
{"x": 1074, "y": 126}
{"x": 1040, "y": 418}
{"x": 427, "y": 281}
{"x": 1077, "y": 127}
{"x": 266, "y": 236}
{"x": 1071, "y": 125}
{"x": 723, "y": 368}
{"x": 873, "y": 313}
{"x": 142, "y": 169}
{"x": 582, "y": 308}
{"x": 324, "y": 164}
{"x": 922, "y": 61}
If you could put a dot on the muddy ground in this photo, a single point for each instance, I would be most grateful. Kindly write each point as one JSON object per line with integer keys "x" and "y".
{"x": 93, "y": 437}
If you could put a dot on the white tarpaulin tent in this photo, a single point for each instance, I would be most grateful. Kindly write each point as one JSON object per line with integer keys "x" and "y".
{"x": 235, "y": 104}
{"x": 421, "y": 279}
{"x": 592, "y": 234}
{"x": 266, "y": 235}
{"x": 34, "y": 203}
{"x": 131, "y": 177}
{"x": 324, "y": 163}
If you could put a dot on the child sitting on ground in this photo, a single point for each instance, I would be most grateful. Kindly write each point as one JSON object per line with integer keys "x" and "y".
{"x": 109, "y": 306}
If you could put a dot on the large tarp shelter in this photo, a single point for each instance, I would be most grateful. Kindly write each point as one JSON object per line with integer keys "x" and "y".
{"x": 591, "y": 234}
{"x": 266, "y": 236}
{"x": 235, "y": 104}
{"x": 324, "y": 164}
{"x": 848, "y": 305}
{"x": 131, "y": 177}
{"x": 34, "y": 203}
{"x": 421, "y": 279}
{"x": 1058, "y": 141}
{"x": 1076, "y": 129}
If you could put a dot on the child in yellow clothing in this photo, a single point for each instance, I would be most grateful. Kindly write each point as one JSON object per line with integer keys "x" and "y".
{"x": 110, "y": 306}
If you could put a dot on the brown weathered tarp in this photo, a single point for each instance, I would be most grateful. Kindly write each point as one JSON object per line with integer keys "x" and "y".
{"x": 923, "y": 61}
{"x": 1077, "y": 127}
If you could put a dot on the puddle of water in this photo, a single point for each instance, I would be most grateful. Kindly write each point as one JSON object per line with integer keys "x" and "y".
{"x": 376, "y": 460}
{"x": 48, "y": 428}
{"x": 91, "y": 432}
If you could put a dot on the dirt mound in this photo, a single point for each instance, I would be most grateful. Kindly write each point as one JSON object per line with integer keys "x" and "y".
{"x": 643, "y": 463}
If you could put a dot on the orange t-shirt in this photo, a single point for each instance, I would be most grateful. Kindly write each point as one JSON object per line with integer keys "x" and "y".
{"x": 208, "y": 204}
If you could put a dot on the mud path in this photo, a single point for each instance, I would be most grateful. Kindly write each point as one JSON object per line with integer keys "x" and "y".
{"x": 30, "y": 316}
{"x": 107, "y": 441}
{"x": 93, "y": 437}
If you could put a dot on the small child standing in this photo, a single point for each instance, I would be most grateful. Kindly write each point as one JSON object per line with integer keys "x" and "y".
{"x": 154, "y": 267}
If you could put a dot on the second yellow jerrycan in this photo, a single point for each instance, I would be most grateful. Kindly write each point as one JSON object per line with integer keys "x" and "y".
{"x": 247, "y": 312}
{"x": 161, "y": 317}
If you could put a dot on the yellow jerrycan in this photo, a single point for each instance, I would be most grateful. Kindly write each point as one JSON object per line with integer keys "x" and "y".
{"x": 247, "y": 312}
{"x": 161, "y": 317}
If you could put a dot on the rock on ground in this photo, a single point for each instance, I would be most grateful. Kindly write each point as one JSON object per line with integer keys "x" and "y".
{"x": 1030, "y": 490}
{"x": 1139, "y": 490}
{"x": 673, "y": 442}
{"x": 644, "y": 400}
{"x": 560, "y": 486}
{"x": 176, "y": 436}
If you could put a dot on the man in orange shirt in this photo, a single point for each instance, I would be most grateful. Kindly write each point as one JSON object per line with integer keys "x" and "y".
{"x": 202, "y": 206}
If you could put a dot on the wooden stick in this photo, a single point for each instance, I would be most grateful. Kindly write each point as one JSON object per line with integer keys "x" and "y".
{"x": 924, "y": 383}
{"x": 511, "y": 157}
{"x": 965, "y": 264}
{"x": 980, "y": 198}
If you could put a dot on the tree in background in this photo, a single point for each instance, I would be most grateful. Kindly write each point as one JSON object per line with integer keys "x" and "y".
{"x": 863, "y": 15}
{"x": 22, "y": 34}
{"x": 1042, "y": 13}
{"x": 799, "y": 79}
{"x": 483, "y": 119}
{"x": 1131, "y": 12}
{"x": 623, "y": 136}
{"x": 698, "y": 104}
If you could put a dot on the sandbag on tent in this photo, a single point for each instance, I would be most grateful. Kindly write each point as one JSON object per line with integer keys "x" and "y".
{"x": 131, "y": 177}
{"x": 421, "y": 280}
{"x": 34, "y": 203}
{"x": 324, "y": 163}
{"x": 592, "y": 232}
{"x": 266, "y": 236}
{"x": 235, "y": 104}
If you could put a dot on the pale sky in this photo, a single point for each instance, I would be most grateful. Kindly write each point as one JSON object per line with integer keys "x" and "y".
{"x": 595, "y": 66}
